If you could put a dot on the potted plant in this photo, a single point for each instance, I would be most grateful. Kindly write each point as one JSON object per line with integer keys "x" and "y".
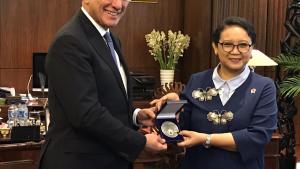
{"x": 288, "y": 80}
{"x": 290, "y": 62}
{"x": 167, "y": 51}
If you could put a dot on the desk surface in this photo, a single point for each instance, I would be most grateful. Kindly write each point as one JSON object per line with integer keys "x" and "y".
{"x": 21, "y": 146}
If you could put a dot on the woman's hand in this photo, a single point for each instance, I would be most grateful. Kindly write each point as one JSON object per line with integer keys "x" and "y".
{"x": 191, "y": 138}
{"x": 158, "y": 102}
{"x": 221, "y": 140}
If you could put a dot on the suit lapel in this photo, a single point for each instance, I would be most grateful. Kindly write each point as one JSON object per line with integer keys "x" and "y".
{"x": 100, "y": 46}
{"x": 235, "y": 102}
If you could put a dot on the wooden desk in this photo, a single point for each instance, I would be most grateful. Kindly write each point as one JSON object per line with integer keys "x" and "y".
{"x": 26, "y": 156}
{"x": 20, "y": 155}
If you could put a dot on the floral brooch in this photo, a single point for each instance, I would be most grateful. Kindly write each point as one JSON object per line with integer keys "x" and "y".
{"x": 217, "y": 118}
{"x": 204, "y": 95}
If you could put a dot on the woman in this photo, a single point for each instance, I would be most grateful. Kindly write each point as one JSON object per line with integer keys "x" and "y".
{"x": 231, "y": 111}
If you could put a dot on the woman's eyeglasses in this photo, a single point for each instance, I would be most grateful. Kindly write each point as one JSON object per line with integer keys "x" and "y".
{"x": 242, "y": 47}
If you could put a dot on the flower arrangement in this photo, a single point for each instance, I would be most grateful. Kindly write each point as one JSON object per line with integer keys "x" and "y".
{"x": 165, "y": 50}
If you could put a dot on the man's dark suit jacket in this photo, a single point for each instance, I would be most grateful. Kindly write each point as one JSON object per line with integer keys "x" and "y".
{"x": 91, "y": 113}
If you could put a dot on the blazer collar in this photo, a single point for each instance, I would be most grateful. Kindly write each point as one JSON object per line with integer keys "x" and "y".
{"x": 215, "y": 104}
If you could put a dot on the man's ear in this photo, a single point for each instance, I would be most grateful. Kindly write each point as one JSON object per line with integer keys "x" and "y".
{"x": 215, "y": 47}
{"x": 85, "y": 1}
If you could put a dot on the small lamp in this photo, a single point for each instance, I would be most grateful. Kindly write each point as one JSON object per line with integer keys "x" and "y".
{"x": 260, "y": 59}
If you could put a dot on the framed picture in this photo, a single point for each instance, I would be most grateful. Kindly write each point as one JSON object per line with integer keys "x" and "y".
{"x": 145, "y": 1}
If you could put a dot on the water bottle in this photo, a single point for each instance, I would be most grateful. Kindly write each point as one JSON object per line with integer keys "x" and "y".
{"x": 12, "y": 115}
{"x": 22, "y": 115}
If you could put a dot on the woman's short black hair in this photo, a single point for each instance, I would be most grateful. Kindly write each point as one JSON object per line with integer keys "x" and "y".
{"x": 235, "y": 21}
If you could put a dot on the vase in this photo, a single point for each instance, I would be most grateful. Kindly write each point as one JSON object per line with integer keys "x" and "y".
{"x": 166, "y": 76}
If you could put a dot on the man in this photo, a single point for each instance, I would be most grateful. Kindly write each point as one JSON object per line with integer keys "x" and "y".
{"x": 89, "y": 96}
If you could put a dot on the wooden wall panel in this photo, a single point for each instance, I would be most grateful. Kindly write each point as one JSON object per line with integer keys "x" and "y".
{"x": 15, "y": 25}
{"x": 260, "y": 23}
{"x": 29, "y": 26}
{"x": 51, "y": 15}
{"x": 275, "y": 30}
{"x": 16, "y": 78}
{"x": 197, "y": 24}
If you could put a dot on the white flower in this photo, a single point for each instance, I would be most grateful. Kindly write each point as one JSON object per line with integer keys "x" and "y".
{"x": 167, "y": 51}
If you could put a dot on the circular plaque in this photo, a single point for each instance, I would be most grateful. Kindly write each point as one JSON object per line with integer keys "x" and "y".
{"x": 169, "y": 129}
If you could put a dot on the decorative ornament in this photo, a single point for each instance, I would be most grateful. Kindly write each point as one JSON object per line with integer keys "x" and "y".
{"x": 204, "y": 95}
{"x": 217, "y": 118}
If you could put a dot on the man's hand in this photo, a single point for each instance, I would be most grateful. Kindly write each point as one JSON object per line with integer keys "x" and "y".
{"x": 146, "y": 117}
{"x": 155, "y": 143}
{"x": 191, "y": 138}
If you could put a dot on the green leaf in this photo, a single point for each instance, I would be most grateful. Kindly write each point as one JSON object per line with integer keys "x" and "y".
{"x": 290, "y": 87}
{"x": 289, "y": 61}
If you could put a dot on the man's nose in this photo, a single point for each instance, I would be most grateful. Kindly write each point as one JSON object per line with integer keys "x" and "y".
{"x": 117, "y": 4}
